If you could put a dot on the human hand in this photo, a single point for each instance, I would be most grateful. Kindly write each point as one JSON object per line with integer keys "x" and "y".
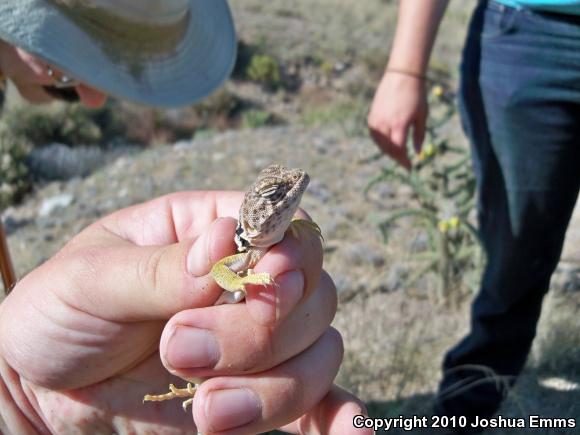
{"x": 80, "y": 335}
{"x": 30, "y": 74}
{"x": 399, "y": 104}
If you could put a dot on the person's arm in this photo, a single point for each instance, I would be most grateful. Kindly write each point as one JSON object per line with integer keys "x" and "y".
{"x": 400, "y": 101}
{"x": 417, "y": 27}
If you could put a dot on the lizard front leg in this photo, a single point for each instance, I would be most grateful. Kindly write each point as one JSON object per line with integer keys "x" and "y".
{"x": 297, "y": 226}
{"x": 226, "y": 272}
{"x": 233, "y": 273}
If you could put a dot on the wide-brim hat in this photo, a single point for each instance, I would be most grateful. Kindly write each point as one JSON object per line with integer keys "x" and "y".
{"x": 156, "y": 52}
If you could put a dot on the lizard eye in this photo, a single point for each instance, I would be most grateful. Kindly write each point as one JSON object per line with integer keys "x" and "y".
{"x": 269, "y": 191}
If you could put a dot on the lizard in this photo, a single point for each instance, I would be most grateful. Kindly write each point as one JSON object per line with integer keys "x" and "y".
{"x": 266, "y": 213}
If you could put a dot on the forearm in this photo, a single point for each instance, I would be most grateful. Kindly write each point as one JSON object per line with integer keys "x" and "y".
{"x": 417, "y": 26}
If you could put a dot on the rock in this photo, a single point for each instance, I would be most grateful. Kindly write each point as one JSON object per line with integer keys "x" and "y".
{"x": 183, "y": 145}
{"x": 419, "y": 243}
{"x": 363, "y": 254}
{"x": 395, "y": 279}
{"x": 320, "y": 191}
{"x": 343, "y": 283}
{"x": 60, "y": 162}
{"x": 566, "y": 278}
{"x": 50, "y": 205}
{"x": 12, "y": 224}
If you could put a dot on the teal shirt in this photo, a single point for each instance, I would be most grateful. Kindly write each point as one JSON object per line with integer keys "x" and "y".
{"x": 561, "y": 6}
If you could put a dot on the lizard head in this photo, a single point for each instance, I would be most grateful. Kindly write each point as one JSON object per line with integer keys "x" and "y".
{"x": 269, "y": 206}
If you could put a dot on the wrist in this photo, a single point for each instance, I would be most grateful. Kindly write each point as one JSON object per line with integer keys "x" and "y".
{"x": 418, "y": 75}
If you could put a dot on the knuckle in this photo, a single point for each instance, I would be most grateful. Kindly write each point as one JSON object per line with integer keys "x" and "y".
{"x": 293, "y": 390}
{"x": 84, "y": 265}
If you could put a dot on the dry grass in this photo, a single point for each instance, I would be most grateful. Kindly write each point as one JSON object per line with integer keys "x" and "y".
{"x": 395, "y": 345}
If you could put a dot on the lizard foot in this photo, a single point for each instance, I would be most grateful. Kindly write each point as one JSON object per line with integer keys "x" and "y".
{"x": 188, "y": 391}
{"x": 224, "y": 275}
{"x": 298, "y": 225}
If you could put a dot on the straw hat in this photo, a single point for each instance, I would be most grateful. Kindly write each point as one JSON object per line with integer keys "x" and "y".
{"x": 156, "y": 52}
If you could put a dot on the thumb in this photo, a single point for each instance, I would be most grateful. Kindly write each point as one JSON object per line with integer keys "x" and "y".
{"x": 120, "y": 281}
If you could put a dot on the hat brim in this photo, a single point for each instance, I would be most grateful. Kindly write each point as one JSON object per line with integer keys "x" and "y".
{"x": 200, "y": 63}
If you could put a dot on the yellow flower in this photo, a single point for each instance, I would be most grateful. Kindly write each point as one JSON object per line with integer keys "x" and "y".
{"x": 454, "y": 222}
{"x": 437, "y": 90}
{"x": 428, "y": 150}
{"x": 443, "y": 226}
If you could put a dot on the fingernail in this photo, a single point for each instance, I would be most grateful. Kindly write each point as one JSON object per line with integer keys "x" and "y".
{"x": 228, "y": 409}
{"x": 292, "y": 284}
{"x": 198, "y": 258}
{"x": 192, "y": 348}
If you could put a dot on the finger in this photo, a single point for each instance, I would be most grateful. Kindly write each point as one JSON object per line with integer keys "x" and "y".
{"x": 172, "y": 218}
{"x": 295, "y": 264}
{"x": 115, "y": 280}
{"x": 225, "y": 340}
{"x": 381, "y": 138}
{"x": 257, "y": 403}
{"x": 419, "y": 134}
{"x": 389, "y": 147}
{"x": 399, "y": 139}
{"x": 333, "y": 415}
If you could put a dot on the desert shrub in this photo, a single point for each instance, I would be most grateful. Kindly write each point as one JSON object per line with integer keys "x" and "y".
{"x": 244, "y": 57}
{"x": 14, "y": 175}
{"x": 443, "y": 186}
{"x": 218, "y": 110}
{"x": 25, "y": 127}
{"x": 265, "y": 70}
{"x": 326, "y": 68}
{"x": 67, "y": 124}
{"x": 256, "y": 118}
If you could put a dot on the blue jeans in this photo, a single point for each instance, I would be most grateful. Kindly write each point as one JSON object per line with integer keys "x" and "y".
{"x": 520, "y": 105}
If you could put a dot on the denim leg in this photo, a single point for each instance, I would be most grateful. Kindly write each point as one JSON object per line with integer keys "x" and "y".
{"x": 520, "y": 103}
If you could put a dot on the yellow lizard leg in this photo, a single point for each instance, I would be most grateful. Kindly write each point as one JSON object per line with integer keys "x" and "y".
{"x": 188, "y": 391}
{"x": 224, "y": 274}
{"x": 298, "y": 225}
